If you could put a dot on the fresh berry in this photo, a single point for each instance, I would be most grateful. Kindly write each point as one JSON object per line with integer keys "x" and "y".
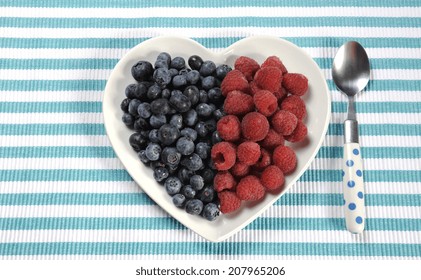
{"x": 254, "y": 88}
{"x": 164, "y": 58}
{"x": 136, "y": 91}
{"x": 223, "y": 155}
{"x": 179, "y": 101}
{"x": 284, "y": 122}
{"x": 295, "y": 105}
{"x": 207, "y": 194}
{"x": 247, "y": 66}
{"x": 234, "y": 80}
{"x": 179, "y": 81}
{"x": 190, "y": 118}
{"x": 185, "y": 174}
{"x": 153, "y": 135}
{"x": 189, "y": 133}
{"x": 240, "y": 169}
{"x": 272, "y": 140}
{"x": 194, "y": 206}
{"x": 168, "y": 134}
{"x": 179, "y": 200}
{"x": 133, "y": 105}
{"x": 142, "y": 156}
{"x": 193, "y": 77}
{"x": 201, "y": 129}
{"x": 284, "y": 157}
{"x": 207, "y": 175}
{"x": 205, "y": 110}
{"x": 222, "y": 71}
{"x": 159, "y": 106}
{"x": 207, "y": 68}
{"x": 210, "y": 211}
{"x": 250, "y": 188}
{"x": 238, "y": 103}
{"x": 274, "y": 61}
{"x": 185, "y": 146}
{"x": 264, "y": 160}
{"x": 195, "y": 62}
{"x": 229, "y": 128}
{"x": 142, "y": 70}
{"x": 224, "y": 181}
{"x": 192, "y": 93}
{"x": 228, "y": 201}
{"x": 170, "y": 156}
{"x": 254, "y": 126}
{"x": 215, "y": 95}
{"x": 299, "y": 133}
{"x": 137, "y": 142}
{"x": 272, "y": 178}
{"x": 192, "y": 162}
{"x": 295, "y": 83}
{"x": 197, "y": 182}
{"x": 266, "y": 103}
{"x": 208, "y": 82}
{"x": 128, "y": 119}
{"x": 156, "y": 121}
{"x": 269, "y": 78}
{"x": 280, "y": 94}
{"x": 153, "y": 151}
{"x": 124, "y": 105}
{"x": 178, "y": 63}
{"x": 162, "y": 77}
{"x": 177, "y": 121}
{"x": 160, "y": 174}
{"x": 188, "y": 191}
{"x": 144, "y": 110}
{"x": 248, "y": 152}
{"x": 203, "y": 150}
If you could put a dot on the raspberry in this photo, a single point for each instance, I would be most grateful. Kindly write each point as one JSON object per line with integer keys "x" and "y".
{"x": 240, "y": 169}
{"x": 248, "y": 152}
{"x": 285, "y": 158}
{"x": 250, "y": 188}
{"x": 269, "y": 78}
{"x": 264, "y": 160}
{"x": 272, "y": 178}
{"x": 254, "y": 88}
{"x": 299, "y": 133}
{"x": 274, "y": 61}
{"x": 228, "y": 201}
{"x": 223, "y": 180}
{"x": 234, "y": 80}
{"x": 296, "y": 84}
{"x": 265, "y": 102}
{"x": 238, "y": 103}
{"x": 281, "y": 93}
{"x": 254, "y": 126}
{"x": 223, "y": 155}
{"x": 272, "y": 140}
{"x": 295, "y": 105}
{"x": 284, "y": 122}
{"x": 247, "y": 66}
{"x": 229, "y": 128}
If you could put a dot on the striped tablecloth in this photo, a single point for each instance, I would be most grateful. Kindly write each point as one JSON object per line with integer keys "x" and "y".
{"x": 65, "y": 195}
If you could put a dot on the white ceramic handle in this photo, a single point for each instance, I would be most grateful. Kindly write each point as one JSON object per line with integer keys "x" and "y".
{"x": 353, "y": 188}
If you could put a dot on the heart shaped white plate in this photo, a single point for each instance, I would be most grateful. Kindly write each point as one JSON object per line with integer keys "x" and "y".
{"x": 258, "y": 47}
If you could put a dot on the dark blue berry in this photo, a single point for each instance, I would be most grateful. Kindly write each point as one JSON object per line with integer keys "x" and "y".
{"x": 173, "y": 72}
{"x": 164, "y": 56}
{"x": 160, "y": 106}
{"x": 178, "y": 63}
{"x": 179, "y": 101}
{"x": 190, "y": 118}
{"x": 193, "y": 77}
{"x": 124, "y": 105}
{"x": 136, "y": 91}
{"x": 203, "y": 96}
{"x": 207, "y": 68}
{"x": 179, "y": 200}
{"x": 189, "y": 133}
{"x": 201, "y": 129}
{"x": 163, "y": 60}
{"x": 222, "y": 71}
{"x": 156, "y": 164}
{"x": 142, "y": 156}
{"x": 218, "y": 114}
{"x": 153, "y": 151}
{"x": 128, "y": 119}
{"x": 203, "y": 150}
{"x": 179, "y": 81}
{"x": 142, "y": 70}
{"x": 172, "y": 185}
{"x": 215, "y": 95}
{"x": 160, "y": 174}
{"x": 197, "y": 182}
{"x": 184, "y": 175}
{"x": 141, "y": 124}
{"x": 153, "y": 136}
{"x": 195, "y": 62}
{"x": 208, "y": 82}
{"x": 162, "y": 77}
{"x": 194, "y": 206}
{"x": 193, "y": 162}
{"x": 154, "y": 91}
{"x": 192, "y": 92}
{"x": 134, "y": 103}
{"x": 168, "y": 134}
{"x": 204, "y": 110}
{"x": 170, "y": 156}
{"x": 215, "y": 137}
{"x": 185, "y": 146}
{"x": 137, "y": 142}
{"x": 166, "y": 93}
{"x": 188, "y": 191}
{"x": 207, "y": 175}
{"x": 210, "y": 211}
{"x": 156, "y": 121}
{"x": 144, "y": 110}
{"x": 210, "y": 125}
{"x": 207, "y": 194}
{"x": 177, "y": 121}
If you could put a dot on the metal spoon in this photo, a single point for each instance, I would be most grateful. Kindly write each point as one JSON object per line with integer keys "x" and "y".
{"x": 351, "y": 73}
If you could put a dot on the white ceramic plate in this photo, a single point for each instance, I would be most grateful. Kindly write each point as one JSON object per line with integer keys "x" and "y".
{"x": 259, "y": 47}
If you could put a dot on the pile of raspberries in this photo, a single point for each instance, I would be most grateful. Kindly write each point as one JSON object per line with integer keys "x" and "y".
{"x": 264, "y": 109}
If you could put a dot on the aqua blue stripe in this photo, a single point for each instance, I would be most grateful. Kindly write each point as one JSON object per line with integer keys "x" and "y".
{"x": 208, "y": 22}
{"x": 57, "y": 152}
{"x": 207, "y": 248}
{"x": 205, "y": 4}
{"x": 373, "y": 152}
{"x": 289, "y": 199}
{"x": 379, "y": 107}
{"x": 51, "y": 107}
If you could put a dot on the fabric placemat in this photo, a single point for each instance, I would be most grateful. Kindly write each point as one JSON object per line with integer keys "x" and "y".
{"x": 65, "y": 195}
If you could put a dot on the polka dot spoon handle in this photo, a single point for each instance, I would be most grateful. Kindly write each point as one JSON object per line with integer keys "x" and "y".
{"x": 353, "y": 188}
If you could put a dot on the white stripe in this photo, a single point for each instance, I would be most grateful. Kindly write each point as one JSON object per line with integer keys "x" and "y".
{"x": 62, "y": 118}
{"x": 386, "y": 74}
{"x": 369, "y": 164}
{"x": 176, "y": 12}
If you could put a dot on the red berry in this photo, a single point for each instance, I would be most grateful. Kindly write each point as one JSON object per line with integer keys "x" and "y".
{"x": 281, "y": 93}
{"x": 228, "y": 201}
{"x": 247, "y": 66}
{"x": 295, "y": 83}
{"x": 248, "y": 152}
{"x": 295, "y": 105}
{"x": 223, "y": 155}
{"x": 274, "y": 61}
{"x": 272, "y": 178}
{"x": 284, "y": 122}
{"x": 254, "y": 126}
{"x": 234, "y": 80}
{"x": 238, "y": 103}
{"x": 265, "y": 102}
{"x": 285, "y": 158}
{"x": 240, "y": 169}
{"x": 269, "y": 78}
{"x": 223, "y": 180}
{"x": 254, "y": 88}
{"x": 229, "y": 128}
{"x": 264, "y": 160}
{"x": 272, "y": 140}
{"x": 299, "y": 133}
{"x": 250, "y": 188}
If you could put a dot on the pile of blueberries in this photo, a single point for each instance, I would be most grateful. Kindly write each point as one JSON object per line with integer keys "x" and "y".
{"x": 173, "y": 110}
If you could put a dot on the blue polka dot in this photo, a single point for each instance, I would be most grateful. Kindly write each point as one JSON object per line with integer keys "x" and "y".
{"x": 351, "y": 184}
{"x": 349, "y": 163}
{"x": 359, "y": 173}
{"x": 359, "y": 220}
{"x": 343, "y": 173}
{"x": 356, "y": 152}
{"x": 360, "y": 194}
{"x": 352, "y": 206}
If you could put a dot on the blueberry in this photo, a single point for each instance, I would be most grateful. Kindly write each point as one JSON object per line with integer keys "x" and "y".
{"x": 222, "y": 71}
{"x": 203, "y": 96}
{"x": 190, "y": 118}
{"x": 185, "y": 146}
{"x": 184, "y": 71}
{"x": 162, "y": 77}
{"x": 156, "y": 121}
{"x": 201, "y": 129}
{"x": 210, "y": 125}
{"x": 141, "y": 124}
{"x": 179, "y": 81}
{"x": 170, "y": 156}
{"x": 163, "y": 60}
{"x": 166, "y": 93}
{"x": 154, "y": 91}
{"x": 172, "y": 169}
{"x": 193, "y": 162}
{"x": 215, "y": 95}
{"x": 207, "y": 175}
{"x": 153, "y": 136}
{"x": 137, "y": 142}
{"x": 194, "y": 206}
{"x": 207, "y": 68}
{"x": 210, "y": 211}
{"x": 216, "y": 138}
{"x": 195, "y": 62}
{"x": 160, "y": 174}
{"x": 189, "y": 133}
{"x": 203, "y": 150}
{"x": 207, "y": 194}
{"x": 177, "y": 121}
{"x": 179, "y": 200}
{"x": 160, "y": 106}
{"x": 173, "y": 72}
{"x": 204, "y": 110}
{"x": 208, "y": 82}
{"x": 134, "y": 103}
{"x": 184, "y": 175}
{"x": 179, "y": 101}
{"x": 153, "y": 151}
{"x": 156, "y": 164}
{"x": 188, "y": 191}
{"x": 168, "y": 134}
{"x": 178, "y": 63}
{"x": 192, "y": 92}
{"x": 136, "y": 91}
{"x": 124, "y": 105}
{"x": 144, "y": 110}
{"x": 142, "y": 70}
{"x": 193, "y": 77}
{"x": 172, "y": 185}
{"x": 128, "y": 119}
{"x": 197, "y": 182}
{"x": 218, "y": 114}
{"x": 142, "y": 156}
